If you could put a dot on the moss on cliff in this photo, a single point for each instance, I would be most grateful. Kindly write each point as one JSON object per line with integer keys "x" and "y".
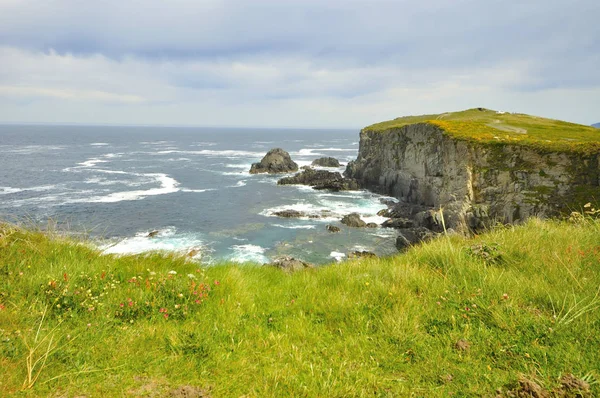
{"x": 492, "y": 127}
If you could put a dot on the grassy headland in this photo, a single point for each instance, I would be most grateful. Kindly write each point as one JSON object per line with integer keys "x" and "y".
{"x": 524, "y": 300}
{"x": 489, "y": 126}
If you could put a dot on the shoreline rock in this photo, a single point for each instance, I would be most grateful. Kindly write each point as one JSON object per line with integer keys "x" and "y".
{"x": 320, "y": 180}
{"x": 353, "y": 220}
{"x": 276, "y": 161}
{"x": 290, "y": 264}
{"x": 326, "y": 162}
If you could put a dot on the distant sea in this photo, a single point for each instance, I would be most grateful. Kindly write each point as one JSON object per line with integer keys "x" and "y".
{"x": 117, "y": 184}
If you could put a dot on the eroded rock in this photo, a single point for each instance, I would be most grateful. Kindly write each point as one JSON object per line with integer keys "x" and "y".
{"x": 290, "y": 264}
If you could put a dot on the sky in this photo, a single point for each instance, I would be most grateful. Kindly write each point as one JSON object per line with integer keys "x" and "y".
{"x": 295, "y": 63}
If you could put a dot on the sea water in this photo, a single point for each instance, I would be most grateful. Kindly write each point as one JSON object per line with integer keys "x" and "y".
{"x": 117, "y": 184}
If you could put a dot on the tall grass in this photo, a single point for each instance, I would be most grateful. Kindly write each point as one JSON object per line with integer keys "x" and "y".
{"x": 145, "y": 325}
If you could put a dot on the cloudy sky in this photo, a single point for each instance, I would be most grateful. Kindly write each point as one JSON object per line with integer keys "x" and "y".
{"x": 298, "y": 63}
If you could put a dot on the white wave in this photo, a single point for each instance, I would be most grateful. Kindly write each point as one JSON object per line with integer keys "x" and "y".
{"x": 92, "y": 162}
{"x": 41, "y": 188}
{"x": 167, "y": 185}
{"x": 99, "y": 144}
{"x": 239, "y": 184}
{"x": 337, "y": 255}
{"x": 215, "y": 153}
{"x": 197, "y": 190}
{"x": 295, "y": 226}
{"x": 244, "y": 166}
{"x": 112, "y": 155}
{"x": 156, "y": 142}
{"x": 165, "y": 240}
{"x": 204, "y": 144}
{"x": 248, "y": 253}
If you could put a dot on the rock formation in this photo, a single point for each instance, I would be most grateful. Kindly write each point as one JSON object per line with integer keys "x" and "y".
{"x": 321, "y": 179}
{"x": 353, "y": 220}
{"x": 290, "y": 264}
{"x": 474, "y": 184}
{"x": 326, "y": 162}
{"x": 274, "y": 162}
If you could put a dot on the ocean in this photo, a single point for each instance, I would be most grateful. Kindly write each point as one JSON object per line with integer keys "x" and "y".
{"x": 117, "y": 184}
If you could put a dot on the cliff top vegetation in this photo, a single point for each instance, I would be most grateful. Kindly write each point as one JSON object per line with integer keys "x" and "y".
{"x": 493, "y": 127}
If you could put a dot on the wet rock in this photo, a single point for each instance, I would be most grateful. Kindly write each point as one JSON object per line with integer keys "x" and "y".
{"x": 326, "y": 162}
{"x": 321, "y": 179}
{"x": 332, "y": 228}
{"x": 372, "y": 225}
{"x": 353, "y": 220}
{"x": 275, "y": 161}
{"x": 398, "y": 223}
{"x": 290, "y": 264}
{"x": 362, "y": 254}
{"x": 294, "y": 214}
{"x": 408, "y": 237}
{"x": 152, "y": 234}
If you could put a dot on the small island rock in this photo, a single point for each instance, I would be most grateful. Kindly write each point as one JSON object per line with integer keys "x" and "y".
{"x": 353, "y": 220}
{"x": 332, "y": 228}
{"x": 275, "y": 161}
{"x": 321, "y": 179}
{"x": 326, "y": 162}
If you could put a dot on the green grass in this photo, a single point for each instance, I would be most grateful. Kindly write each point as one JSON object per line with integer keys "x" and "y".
{"x": 488, "y": 126}
{"x": 524, "y": 297}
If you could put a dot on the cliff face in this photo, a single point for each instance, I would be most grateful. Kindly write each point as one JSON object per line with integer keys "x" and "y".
{"x": 475, "y": 183}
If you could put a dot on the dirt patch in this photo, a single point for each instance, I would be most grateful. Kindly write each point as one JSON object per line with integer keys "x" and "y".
{"x": 462, "y": 345}
{"x": 189, "y": 392}
{"x": 526, "y": 388}
{"x": 570, "y": 387}
{"x": 573, "y": 387}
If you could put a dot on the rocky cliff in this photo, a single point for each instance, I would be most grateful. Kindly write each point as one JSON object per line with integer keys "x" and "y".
{"x": 476, "y": 175}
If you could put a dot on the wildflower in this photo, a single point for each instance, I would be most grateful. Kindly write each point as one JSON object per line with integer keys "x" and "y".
{"x": 438, "y": 303}
{"x": 505, "y": 296}
{"x": 89, "y": 325}
{"x": 57, "y": 305}
{"x": 366, "y": 283}
{"x": 172, "y": 272}
{"x": 217, "y": 282}
{"x": 2, "y": 307}
{"x": 121, "y": 305}
{"x": 166, "y": 315}
{"x": 180, "y": 295}
{"x": 191, "y": 276}
{"x": 177, "y": 306}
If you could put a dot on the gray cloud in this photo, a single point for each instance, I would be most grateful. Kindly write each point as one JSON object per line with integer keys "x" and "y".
{"x": 378, "y": 58}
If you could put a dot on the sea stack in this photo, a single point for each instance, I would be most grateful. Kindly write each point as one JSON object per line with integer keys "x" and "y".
{"x": 274, "y": 162}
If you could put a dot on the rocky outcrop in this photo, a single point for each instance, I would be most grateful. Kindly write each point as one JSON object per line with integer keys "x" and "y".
{"x": 446, "y": 182}
{"x": 321, "y": 179}
{"x": 332, "y": 228}
{"x": 353, "y": 220}
{"x": 290, "y": 264}
{"x": 274, "y": 162}
{"x": 326, "y": 162}
{"x": 294, "y": 214}
{"x": 408, "y": 237}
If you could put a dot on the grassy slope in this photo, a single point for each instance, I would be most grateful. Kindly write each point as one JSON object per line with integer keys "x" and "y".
{"x": 384, "y": 327}
{"x": 489, "y": 126}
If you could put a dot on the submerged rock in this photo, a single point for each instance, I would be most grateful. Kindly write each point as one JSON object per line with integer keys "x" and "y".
{"x": 275, "y": 161}
{"x": 321, "y": 179}
{"x": 152, "y": 234}
{"x": 326, "y": 162}
{"x": 294, "y": 214}
{"x": 332, "y": 228}
{"x": 290, "y": 264}
{"x": 353, "y": 220}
